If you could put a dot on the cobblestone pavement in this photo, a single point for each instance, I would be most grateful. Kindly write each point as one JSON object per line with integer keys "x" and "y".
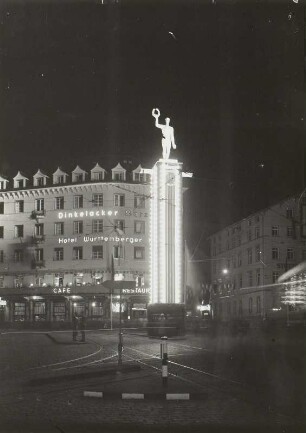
{"x": 61, "y": 407}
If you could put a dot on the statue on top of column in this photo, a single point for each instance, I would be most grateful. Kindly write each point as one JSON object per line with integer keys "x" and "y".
{"x": 168, "y": 133}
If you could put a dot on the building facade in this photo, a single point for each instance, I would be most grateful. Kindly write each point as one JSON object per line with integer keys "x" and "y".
{"x": 63, "y": 235}
{"x": 248, "y": 257}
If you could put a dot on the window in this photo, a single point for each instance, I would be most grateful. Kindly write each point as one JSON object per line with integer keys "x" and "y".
{"x": 119, "y": 224}
{"x": 77, "y": 227}
{"x": 275, "y": 276}
{"x": 78, "y": 177}
{"x": 59, "y": 203}
{"x": 61, "y": 179}
{"x": 19, "y": 206}
{"x": 39, "y": 204}
{"x": 139, "y": 253}
{"x": 119, "y": 200}
{"x": 239, "y": 241}
{"x": 240, "y": 281}
{"x": 239, "y": 259}
{"x": 19, "y": 311}
{"x": 275, "y": 231}
{"x": 139, "y": 177}
{"x": 290, "y": 254}
{"x": 58, "y": 254}
{"x": 249, "y": 222}
{"x": 139, "y": 201}
{"x": 77, "y": 253}
{"x": 40, "y": 181}
{"x": 289, "y": 231}
{"x": 250, "y": 278}
{"x": 275, "y": 253}
{"x": 289, "y": 213}
{"x": 97, "y": 175}
{"x": 139, "y": 227}
{"x": 1, "y": 232}
{"x": 119, "y": 175}
{"x": 97, "y": 226}
{"x": 39, "y": 254}
{"x": 58, "y": 228}
{"x": 1, "y": 282}
{"x": 258, "y": 304}
{"x": 249, "y": 235}
{"x": 97, "y": 200}
{"x": 257, "y": 253}
{"x": 250, "y": 305}
{"x": 1, "y": 207}
{"x": 257, "y": 232}
{"x": 19, "y": 231}
{"x": 249, "y": 256}
{"x": 258, "y": 277}
{"x": 39, "y": 230}
{"x": 1, "y": 256}
{"x": 59, "y": 311}
{"x": 18, "y": 256}
{"x": 118, "y": 252}
{"x": 97, "y": 252}
{"x": 77, "y": 201}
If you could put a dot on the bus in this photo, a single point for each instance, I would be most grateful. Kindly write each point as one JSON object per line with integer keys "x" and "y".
{"x": 166, "y": 320}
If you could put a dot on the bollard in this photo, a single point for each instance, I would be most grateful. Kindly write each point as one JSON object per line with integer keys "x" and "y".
{"x": 120, "y": 347}
{"x": 164, "y": 358}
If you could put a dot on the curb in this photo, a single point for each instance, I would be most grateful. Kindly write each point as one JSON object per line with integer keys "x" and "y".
{"x": 144, "y": 396}
{"x": 83, "y": 375}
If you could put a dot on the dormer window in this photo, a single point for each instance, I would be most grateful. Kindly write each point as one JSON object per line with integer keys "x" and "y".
{"x": 118, "y": 173}
{"x": 97, "y": 173}
{"x": 39, "y": 179}
{"x": 20, "y": 181}
{"x": 78, "y": 175}
{"x": 59, "y": 177}
{"x": 3, "y": 182}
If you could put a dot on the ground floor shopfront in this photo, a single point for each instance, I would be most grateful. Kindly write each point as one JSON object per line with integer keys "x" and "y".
{"x": 46, "y": 306}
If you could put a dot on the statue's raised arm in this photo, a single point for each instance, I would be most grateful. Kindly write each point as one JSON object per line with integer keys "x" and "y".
{"x": 156, "y": 114}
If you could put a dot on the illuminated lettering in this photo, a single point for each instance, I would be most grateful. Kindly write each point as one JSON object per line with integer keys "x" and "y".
{"x": 60, "y": 215}
{"x": 58, "y": 290}
{"x": 81, "y": 214}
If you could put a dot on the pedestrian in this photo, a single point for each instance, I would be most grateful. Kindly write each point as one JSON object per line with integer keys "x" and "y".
{"x": 74, "y": 327}
{"x": 82, "y": 326}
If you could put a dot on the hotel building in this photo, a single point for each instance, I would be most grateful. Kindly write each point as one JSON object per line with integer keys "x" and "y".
{"x": 63, "y": 235}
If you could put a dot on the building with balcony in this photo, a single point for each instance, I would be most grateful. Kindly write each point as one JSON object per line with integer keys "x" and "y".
{"x": 248, "y": 257}
{"x": 62, "y": 235}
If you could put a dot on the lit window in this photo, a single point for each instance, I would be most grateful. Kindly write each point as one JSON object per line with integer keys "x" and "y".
{"x": 97, "y": 226}
{"x": 119, "y": 225}
{"x": 78, "y": 202}
{"x": 19, "y": 231}
{"x": 97, "y": 252}
{"x": 39, "y": 204}
{"x": 97, "y": 200}
{"x": 19, "y": 206}
{"x": 139, "y": 227}
{"x": 77, "y": 253}
{"x": 139, "y": 201}
{"x": 59, "y": 228}
{"x": 58, "y": 254}
{"x": 77, "y": 227}
{"x": 139, "y": 253}
{"x": 59, "y": 202}
{"x": 118, "y": 252}
{"x": 119, "y": 200}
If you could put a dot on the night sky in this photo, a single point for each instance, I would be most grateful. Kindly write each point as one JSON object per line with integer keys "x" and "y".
{"x": 78, "y": 81}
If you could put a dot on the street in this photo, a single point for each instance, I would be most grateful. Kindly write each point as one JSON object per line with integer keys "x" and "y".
{"x": 237, "y": 381}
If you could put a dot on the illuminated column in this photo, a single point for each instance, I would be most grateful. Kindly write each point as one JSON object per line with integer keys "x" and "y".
{"x": 166, "y": 232}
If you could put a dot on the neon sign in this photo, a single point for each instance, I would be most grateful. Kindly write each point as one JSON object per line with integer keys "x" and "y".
{"x": 92, "y": 239}
{"x": 86, "y": 213}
